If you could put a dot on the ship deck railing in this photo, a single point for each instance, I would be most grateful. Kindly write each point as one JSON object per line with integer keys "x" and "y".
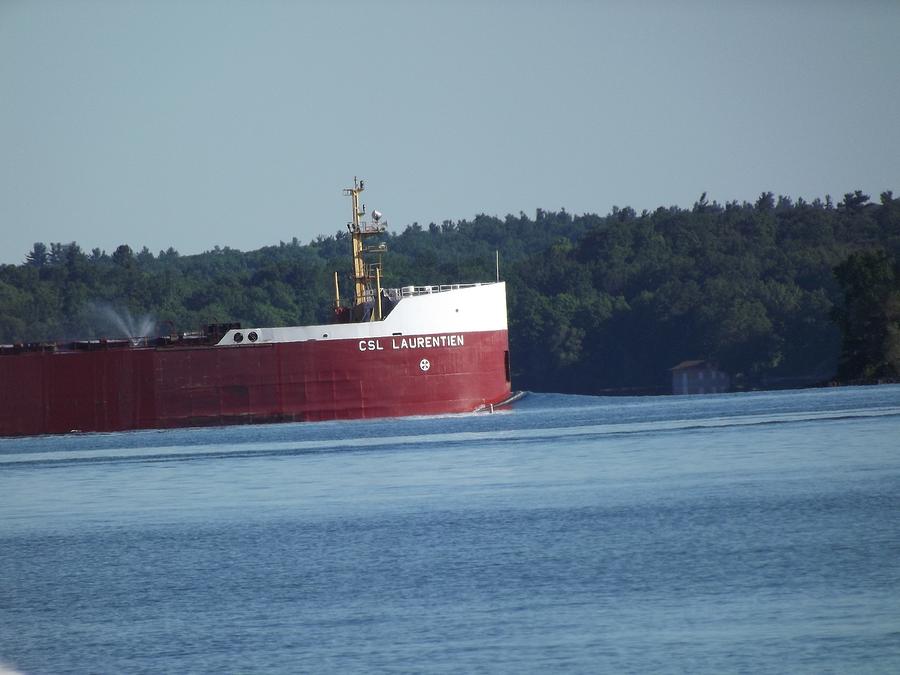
{"x": 410, "y": 291}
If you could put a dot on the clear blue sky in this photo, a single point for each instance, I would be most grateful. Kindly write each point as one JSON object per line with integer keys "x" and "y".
{"x": 235, "y": 123}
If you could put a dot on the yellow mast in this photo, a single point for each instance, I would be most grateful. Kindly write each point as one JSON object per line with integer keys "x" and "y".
{"x": 363, "y": 274}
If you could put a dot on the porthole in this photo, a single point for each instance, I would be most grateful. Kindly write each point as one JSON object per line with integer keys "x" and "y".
{"x": 238, "y": 337}
{"x": 252, "y": 336}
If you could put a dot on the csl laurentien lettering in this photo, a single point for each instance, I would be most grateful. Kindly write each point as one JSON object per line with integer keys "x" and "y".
{"x": 415, "y": 342}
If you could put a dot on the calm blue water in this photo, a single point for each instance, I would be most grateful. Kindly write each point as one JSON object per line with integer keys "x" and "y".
{"x": 752, "y": 532}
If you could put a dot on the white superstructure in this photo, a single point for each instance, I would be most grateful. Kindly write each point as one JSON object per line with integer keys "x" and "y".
{"x": 422, "y": 310}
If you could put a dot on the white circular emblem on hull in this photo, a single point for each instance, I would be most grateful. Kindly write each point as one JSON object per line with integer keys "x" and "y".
{"x": 424, "y": 364}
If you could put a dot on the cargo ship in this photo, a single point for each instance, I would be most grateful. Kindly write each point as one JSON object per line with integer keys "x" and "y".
{"x": 412, "y": 350}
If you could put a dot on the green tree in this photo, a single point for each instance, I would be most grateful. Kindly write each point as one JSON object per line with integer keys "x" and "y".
{"x": 869, "y": 316}
{"x": 37, "y": 257}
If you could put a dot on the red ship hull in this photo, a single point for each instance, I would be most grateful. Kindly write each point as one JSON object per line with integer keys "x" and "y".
{"x": 144, "y": 388}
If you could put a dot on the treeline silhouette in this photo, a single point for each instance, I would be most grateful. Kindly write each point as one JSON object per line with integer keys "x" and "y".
{"x": 779, "y": 292}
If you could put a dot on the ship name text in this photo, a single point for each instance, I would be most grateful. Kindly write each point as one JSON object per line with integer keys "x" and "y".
{"x": 416, "y": 342}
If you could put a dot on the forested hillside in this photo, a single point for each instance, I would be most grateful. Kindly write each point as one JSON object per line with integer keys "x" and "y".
{"x": 596, "y": 303}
